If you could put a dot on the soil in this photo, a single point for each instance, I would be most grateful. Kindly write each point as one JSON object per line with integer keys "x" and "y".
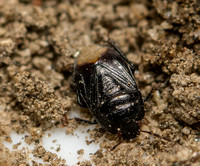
{"x": 39, "y": 40}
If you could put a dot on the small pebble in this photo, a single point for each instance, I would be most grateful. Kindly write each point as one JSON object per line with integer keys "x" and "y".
{"x": 186, "y": 131}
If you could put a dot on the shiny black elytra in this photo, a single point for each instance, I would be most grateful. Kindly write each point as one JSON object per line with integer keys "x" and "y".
{"x": 105, "y": 85}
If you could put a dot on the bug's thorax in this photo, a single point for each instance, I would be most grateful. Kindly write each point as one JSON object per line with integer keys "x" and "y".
{"x": 90, "y": 55}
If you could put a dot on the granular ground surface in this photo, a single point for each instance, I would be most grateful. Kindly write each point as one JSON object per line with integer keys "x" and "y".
{"x": 38, "y": 42}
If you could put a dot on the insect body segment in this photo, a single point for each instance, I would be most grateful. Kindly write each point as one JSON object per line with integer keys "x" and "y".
{"x": 106, "y": 86}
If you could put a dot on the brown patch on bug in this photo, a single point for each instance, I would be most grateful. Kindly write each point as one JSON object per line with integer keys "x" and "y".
{"x": 90, "y": 54}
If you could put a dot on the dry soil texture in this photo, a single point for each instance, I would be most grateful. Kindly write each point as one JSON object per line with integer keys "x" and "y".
{"x": 38, "y": 42}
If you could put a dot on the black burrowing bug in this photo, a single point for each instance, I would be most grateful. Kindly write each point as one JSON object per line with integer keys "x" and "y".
{"x": 105, "y": 85}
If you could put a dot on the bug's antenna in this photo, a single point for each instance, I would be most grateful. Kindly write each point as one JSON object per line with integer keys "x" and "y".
{"x": 113, "y": 148}
{"x": 156, "y": 135}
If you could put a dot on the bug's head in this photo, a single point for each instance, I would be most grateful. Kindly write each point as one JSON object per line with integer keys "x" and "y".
{"x": 130, "y": 130}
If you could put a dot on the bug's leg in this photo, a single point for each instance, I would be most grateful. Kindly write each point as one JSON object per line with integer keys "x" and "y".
{"x": 155, "y": 87}
{"x": 149, "y": 94}
{"x": 85, "y": 121}
{"x": 112, "y": 44}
